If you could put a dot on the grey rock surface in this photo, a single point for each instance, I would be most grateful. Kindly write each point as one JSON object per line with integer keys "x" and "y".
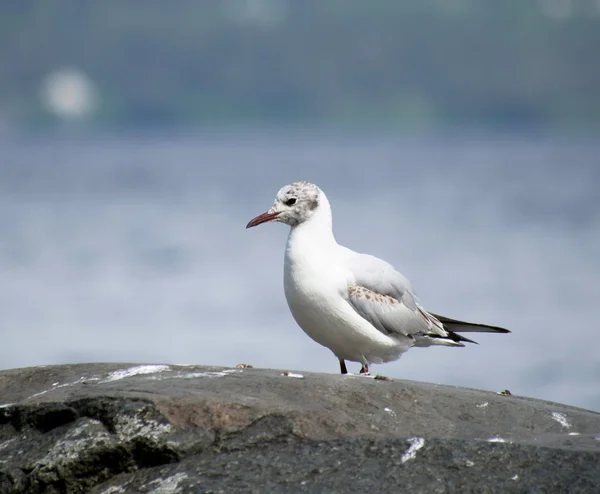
{"x": 120, "y": 428}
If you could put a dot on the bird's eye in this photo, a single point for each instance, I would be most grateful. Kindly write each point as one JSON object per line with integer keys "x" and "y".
{"x": 291, "y": 201}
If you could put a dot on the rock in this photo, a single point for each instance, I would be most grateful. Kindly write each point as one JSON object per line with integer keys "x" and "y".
{"x": 120, "y": 428}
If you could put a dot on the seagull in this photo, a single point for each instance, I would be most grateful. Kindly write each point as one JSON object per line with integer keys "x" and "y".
{"x": 357, "y": 305}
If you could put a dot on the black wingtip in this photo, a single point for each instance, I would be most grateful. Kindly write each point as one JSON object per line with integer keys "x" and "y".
{"x": 460, "y": 338}
{"x": 496, "y": 329}
{"x": 468, "y": 327}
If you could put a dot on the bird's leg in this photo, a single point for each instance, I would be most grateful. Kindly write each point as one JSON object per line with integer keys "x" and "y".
{"x": 343, "y": 367}
{"x": 364, "y": 369}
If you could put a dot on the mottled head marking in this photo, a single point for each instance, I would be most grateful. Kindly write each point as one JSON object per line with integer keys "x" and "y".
{"x": 294, "y": 204}
{"x": 297, "y": 202}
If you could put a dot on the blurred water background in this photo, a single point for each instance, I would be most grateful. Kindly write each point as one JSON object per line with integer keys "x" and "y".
{"x": 458, "y": 140}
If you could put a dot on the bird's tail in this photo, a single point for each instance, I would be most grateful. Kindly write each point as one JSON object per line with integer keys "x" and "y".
{"x": 467, "y": 327}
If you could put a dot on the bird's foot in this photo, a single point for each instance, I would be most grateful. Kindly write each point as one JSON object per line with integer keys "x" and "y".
{"x": 365, "y": 370}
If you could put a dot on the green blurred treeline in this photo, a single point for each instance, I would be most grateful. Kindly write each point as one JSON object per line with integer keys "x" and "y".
{"x": 413, "y": 62}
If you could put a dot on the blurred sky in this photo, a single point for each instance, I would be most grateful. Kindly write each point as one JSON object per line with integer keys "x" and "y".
{"x": 457, "y": 139}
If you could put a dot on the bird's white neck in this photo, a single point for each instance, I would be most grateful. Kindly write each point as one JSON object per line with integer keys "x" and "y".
{"x": 318, "y": 229}
{"x": 310, "y": 256}
{"x": 311, "y": 244}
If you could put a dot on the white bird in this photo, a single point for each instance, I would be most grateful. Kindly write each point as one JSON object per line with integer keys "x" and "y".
{"x": 357, "y": 305}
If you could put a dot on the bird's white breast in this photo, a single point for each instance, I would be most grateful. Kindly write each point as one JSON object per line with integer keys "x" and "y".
{"x": 316, "y": 283}
{"x": 311, "y": 280}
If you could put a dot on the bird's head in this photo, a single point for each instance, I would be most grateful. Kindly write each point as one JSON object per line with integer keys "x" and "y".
{"x": 294, "y": 204}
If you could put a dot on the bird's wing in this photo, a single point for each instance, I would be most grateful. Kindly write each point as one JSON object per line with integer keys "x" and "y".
{"x": 381, "y": 277}
{"x": 392, "y": 316}
{"x": 384, "y": 297}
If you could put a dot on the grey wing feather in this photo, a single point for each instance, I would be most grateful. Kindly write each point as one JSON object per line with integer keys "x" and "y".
{"x": 385, "y": 313}
{"x": 381, "y": 277}
{"x": 384, "y": 297}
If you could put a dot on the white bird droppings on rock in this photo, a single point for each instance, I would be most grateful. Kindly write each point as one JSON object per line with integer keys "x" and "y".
{"x": 135, "y": 371}
{"x": 115, "y": 489}
{"x": 561, "y": 418}
{"x": 514, "y": 477}
{"x": 35, "y": 395}
{"x": 170, "y": 485}
{"x": 574, "y": 434}
{"x": 292, "y": 374}
{"x": 483, "y": 405}
{"x": 416, "y": 443}
{"x": 496, "y": 439}
{"x": 390, "y": 411}
{"x": 58, "y": 386}
{"x": 193, "y": 375}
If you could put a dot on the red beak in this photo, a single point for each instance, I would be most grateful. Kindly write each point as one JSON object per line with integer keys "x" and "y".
{"x": 262, "y": 218}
